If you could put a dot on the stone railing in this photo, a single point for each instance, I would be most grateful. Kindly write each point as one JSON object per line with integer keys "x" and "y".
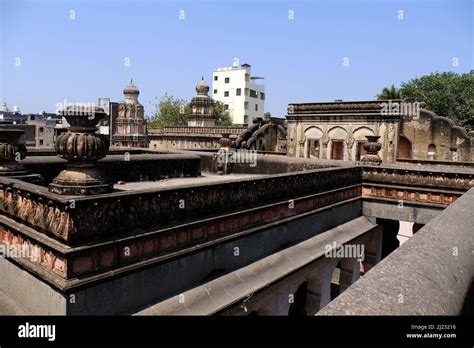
{"x": 430, "y": 274}
{"x": 416, "y": 185}
{"x": 195, "y": 130}
{"x": 409, "y": 175}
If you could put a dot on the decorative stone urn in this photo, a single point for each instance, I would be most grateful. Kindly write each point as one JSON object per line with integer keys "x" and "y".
{"x": 82, "y": 148}
{"x": 223, "y": 164}
{"x": 11, "y": 152}
{"x": 372, "y": 147}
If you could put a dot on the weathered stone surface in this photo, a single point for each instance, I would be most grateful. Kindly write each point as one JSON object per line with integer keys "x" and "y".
{"x": 222, "y": 292}
{"x": 81, "y": 147}
{"x": 428, "y": 275}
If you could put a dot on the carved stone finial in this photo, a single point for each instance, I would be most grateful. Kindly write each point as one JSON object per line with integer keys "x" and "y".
{"x": 82, "y": 148}
{"x": 372, "y": 146}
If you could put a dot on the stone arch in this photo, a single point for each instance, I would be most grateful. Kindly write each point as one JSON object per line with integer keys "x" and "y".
{"x": 297, "y": 308}
{"x": 431, "y": 151}
{"x": 312, "y": 142}
{"x": 337, "y": 146}
{"x": 404, "y": 147}
{"x": 359, "y": 136}
{"x": 319, "y": 285}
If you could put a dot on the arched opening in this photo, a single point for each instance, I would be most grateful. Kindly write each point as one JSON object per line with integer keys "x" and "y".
{"x": 297, "y": 308}
{"x": 337, "y": 150}
{"x": 313, "y": 148}
{"x": 404, "y": 147}
{"x": 312, "y": 142}
{"x": 390, "y": 230}
{"x": 360, "y": 151}
{"x": 431, "y": 153}
{"x": 360, "y": 138}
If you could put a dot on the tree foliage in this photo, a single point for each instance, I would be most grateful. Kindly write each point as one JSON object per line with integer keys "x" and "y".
{"x": 446, "y": 94}
{"x": 169, "y": 112}
{"x": 222, "y": 116}
{"x": 389, "y": 93}
{"x": 172, "y": 112}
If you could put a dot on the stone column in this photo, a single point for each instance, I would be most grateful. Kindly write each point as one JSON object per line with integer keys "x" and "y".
{"x": 350, "y": 272}
{"x": 319, "y": 286}
{"x": 373, "y": 250}
{"x": 82, "y": 148}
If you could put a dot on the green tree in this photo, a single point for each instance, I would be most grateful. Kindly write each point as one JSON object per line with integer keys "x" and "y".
{"x": 267, "y": 115}
{"x": 389, "y": 93}
{"x": 169, "y": 111}
{"x": 222, "y": 116}
{"x": 446, "y": 94}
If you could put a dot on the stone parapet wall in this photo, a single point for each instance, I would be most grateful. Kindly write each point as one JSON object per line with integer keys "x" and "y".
{"x": 74, "y": 219}
{"x": 59, "y": 262}
{"x": 428, "y": 275}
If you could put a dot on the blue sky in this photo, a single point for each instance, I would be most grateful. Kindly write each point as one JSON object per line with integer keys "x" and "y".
{"x": 81, "y": 59}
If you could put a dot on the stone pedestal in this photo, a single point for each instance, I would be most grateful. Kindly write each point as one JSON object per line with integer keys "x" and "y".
{"x": 82, "y": 148}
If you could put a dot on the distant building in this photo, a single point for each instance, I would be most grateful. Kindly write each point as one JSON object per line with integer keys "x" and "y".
{"x": 408, "y": 132}
{"x": 40, "y": 129}
{"x": 242, "y": 94}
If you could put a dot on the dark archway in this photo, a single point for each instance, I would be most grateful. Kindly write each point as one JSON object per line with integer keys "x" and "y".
{"x": 404, "y": 147}
{"x": 390, "y": 241}
{"x": 297, "y": 308}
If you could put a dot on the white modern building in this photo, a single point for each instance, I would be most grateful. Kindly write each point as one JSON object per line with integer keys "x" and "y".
{"x": 242, "y": 94}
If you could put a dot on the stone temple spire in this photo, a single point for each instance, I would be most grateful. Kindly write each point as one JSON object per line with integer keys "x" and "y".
{"x": 129, "y": 128}
{"x": 201, "y": 107}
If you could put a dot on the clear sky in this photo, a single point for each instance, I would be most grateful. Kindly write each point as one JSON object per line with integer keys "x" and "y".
{"x": 48, "y": 57}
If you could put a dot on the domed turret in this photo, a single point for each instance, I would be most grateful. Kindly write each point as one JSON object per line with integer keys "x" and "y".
{"x": 131, "y": 89}
{"x": 131, "y": 93}
{"x": 202, "y": 88}
{"x": 201, "y": 107}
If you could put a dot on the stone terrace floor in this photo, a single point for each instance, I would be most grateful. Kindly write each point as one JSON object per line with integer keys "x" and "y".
{"x": 205, "y": 178}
